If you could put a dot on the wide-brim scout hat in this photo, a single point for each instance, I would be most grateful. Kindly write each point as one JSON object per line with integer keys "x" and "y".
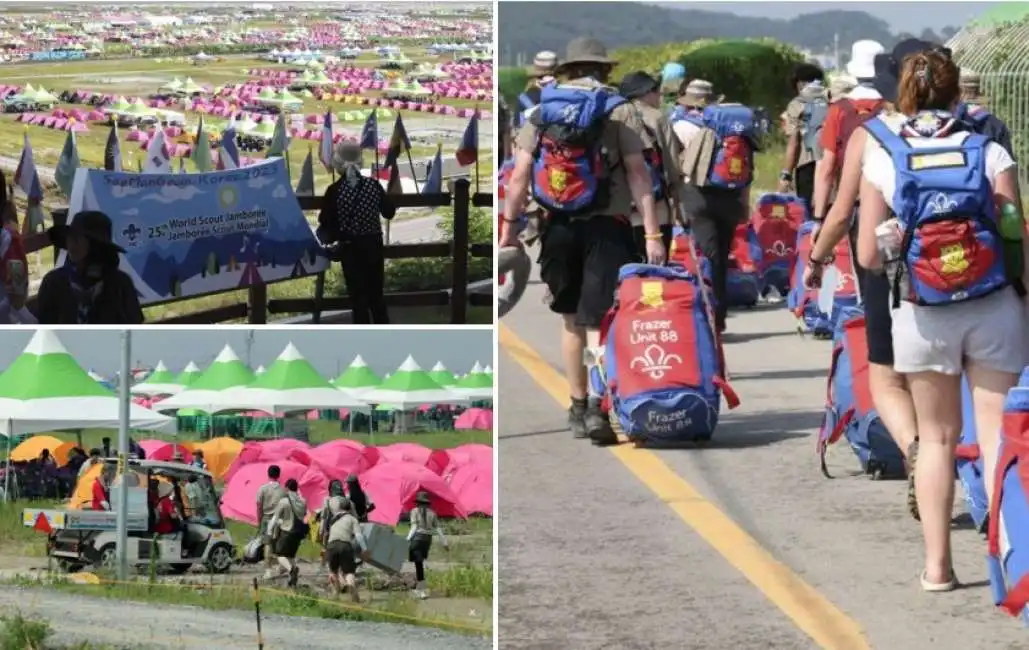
{"x": 696, "y": 93}
{"x": 585, "y": 50}
{"x": 422, "y": 498}
{"x": 91, "y": 224}
{"x": 638, "y": 84}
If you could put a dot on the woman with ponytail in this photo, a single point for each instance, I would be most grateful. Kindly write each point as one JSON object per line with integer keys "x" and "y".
{"x": 957, "y": 308}
{"x": 349, "y": 224}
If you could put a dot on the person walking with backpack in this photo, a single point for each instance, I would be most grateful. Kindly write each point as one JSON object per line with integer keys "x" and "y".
{"x": 718, "y": 142}
{"x": 344, "y": 541}
{"x": 586, "y": 173}
{"x": 661, "y": 154}
{"x": 954, "y": 255}
{"x": 540, "y": 74}
{"x": 289, "y": 530}
{"x": 805, "y": 115}
{"x": 424, "y": 524}
{"x": 268, "y": 497}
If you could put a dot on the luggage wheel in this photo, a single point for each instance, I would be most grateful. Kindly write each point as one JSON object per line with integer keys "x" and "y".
{"x": 639, "y": 443}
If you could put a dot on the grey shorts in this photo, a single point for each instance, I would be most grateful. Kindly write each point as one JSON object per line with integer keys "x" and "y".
{"x": 990, "y": 331}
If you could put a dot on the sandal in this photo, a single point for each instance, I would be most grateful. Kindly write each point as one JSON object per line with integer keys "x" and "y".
{"x": 939, "y": 587}
{"x": 912, "y": 499}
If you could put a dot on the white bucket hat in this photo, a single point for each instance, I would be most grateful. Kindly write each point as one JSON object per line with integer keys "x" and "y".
{"x": 862, "y": 59}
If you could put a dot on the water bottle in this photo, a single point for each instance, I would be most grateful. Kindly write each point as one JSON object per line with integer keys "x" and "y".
{"x": 889, "y": 235}
{"x": 1011, "y": 233}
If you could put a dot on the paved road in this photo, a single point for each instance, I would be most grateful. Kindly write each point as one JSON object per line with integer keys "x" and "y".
{"x": 741, "y": 545}
{"x": 145, "y": 626}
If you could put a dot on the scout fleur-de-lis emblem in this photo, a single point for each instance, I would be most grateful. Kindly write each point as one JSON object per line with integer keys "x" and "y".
{"x": 569, "y": 114}
{"x": 558, "y": 179}
{"x": 780, "y": 249}
{"x": 942, "y": 204}
{"x": 655, "y": 362}
{"x": 737, "y": 127}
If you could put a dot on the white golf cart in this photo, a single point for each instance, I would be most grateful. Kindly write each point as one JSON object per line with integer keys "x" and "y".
{"x": 82, "y": 538}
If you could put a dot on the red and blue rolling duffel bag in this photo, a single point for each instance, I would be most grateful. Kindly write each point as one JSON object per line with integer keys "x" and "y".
{"x": 776, "y": 221}
{"x": 662, "y": 360}
{"x": 849, "y": 411}
{"x": 1008, "y": 529}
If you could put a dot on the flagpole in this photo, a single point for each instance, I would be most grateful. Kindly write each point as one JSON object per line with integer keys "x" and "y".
{"x": 414, "y": 176}
{"x": 476, "y": 118}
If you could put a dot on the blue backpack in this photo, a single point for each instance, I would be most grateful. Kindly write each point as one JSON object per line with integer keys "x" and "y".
{"x": 849, "y": 411}
{"x": 952, "y": 247}
{"x": 1008, "y": 532}
{"x": 570, "y": 168}
{"x": 662, "y": 360}
{"x": 743, "y": 285}
{"x": 813, "y": 117}
{"x": 525, "y": 104}
{"x": 969, "y": 464}
{"x": 736, "y": 133}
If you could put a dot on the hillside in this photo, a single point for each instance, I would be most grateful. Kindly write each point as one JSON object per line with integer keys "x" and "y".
{"x": 527, "y": 27}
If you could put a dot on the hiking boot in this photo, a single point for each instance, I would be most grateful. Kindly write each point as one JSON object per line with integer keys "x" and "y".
{"x": 912, "y": 498}
{"x": 576, "y": 418}
{"x": 598, "y": 427}
{"x": 294, "y": 575}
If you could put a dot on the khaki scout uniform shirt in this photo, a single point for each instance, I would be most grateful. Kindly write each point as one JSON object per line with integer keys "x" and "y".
{"x": 344, "y": 529}
{"x": 623, "y": 136}
{"x": 662, "y": 137}
{"x": 795, "y": 125}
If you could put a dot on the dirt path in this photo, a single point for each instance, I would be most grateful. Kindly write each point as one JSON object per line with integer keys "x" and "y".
{"x": 144, "y": 626}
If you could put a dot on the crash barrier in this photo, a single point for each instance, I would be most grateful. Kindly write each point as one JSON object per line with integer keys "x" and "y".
{"x": 257, "y": 307}
{"x": 255, "y": 592}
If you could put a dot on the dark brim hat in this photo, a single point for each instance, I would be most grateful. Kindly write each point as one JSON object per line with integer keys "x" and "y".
{"x": 585, "y": 50}
{"x": 422, "y": 497}
{"x": 91, "y": 224}
{"x": 638, "y": 84}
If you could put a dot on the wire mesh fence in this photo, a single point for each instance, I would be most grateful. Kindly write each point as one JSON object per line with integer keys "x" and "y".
{"x": 999, "y": 54}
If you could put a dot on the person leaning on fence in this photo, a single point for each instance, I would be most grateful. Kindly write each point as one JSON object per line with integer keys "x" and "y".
{"x": 349, "y": 224}
{"x": 89, "y": 289}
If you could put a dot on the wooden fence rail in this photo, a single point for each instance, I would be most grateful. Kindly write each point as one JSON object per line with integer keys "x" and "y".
{"x": 257, "y": 306}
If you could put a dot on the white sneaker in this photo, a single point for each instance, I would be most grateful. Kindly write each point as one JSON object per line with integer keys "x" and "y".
{"x": 422, "y": 591}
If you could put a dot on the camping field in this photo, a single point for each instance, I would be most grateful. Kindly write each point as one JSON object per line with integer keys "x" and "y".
{"x": 460, "y": 580}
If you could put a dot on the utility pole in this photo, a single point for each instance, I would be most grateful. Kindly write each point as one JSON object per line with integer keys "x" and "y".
{"x": 122, "y": 507}
{"x": 250, "y": 347}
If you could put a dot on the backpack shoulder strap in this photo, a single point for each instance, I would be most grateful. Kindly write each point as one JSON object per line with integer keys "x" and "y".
{"x": 525, "y": 102}
{"x": 889, "y": 140}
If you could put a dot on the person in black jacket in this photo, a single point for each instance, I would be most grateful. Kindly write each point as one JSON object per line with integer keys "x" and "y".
{"x": 349, "y": 224}
{"x": 88, "y": 289}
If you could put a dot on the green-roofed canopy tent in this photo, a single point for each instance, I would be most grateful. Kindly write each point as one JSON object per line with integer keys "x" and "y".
{"x": 357, "y": 377}
{"x": 476, "y": 385}
{"x": 160, "y": 382}
{"x": 442, "y": 376}
{"x": 226, "y": 372}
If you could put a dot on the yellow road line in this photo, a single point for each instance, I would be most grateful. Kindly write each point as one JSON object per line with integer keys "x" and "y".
{"x": 809, "y": 610}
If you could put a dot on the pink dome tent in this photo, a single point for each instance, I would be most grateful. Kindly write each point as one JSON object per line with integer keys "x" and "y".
{"x": 436, "y": 460}
{"x": 394, "y": 485}
{"x": 475, "y": 418}
{"x": 240, "y": 497}
{"x": 163, "y": 450}
{"x": 265, "y": 451}
{"x": 469, "y": 454}
{"x": 473, "y": 486}
{"x": 337, "y": 459}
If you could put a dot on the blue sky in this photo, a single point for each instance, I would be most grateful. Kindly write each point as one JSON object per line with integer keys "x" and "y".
{"x": 900, "y": 16}
{"x": 326, "y": 349}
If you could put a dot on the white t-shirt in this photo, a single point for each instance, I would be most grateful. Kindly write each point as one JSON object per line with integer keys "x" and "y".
{"x": 877, "y": 165}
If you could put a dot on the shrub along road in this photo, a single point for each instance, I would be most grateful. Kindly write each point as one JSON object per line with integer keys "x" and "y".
{"x": 742, "y": 544}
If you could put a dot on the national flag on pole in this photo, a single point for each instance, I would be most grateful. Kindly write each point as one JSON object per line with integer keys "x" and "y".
{"x": 280, "y": 139}
{"x": 325, "y": 149}
{"x": 370, "y": 132}
{"x": 398, "y": 142}
{"x": 158, "y": 160}
{"x": 468, "y": 151}
{"x": 201, "y": 154}
{"x": 305, "y": 186}
{"x": 434, "y": 180}
{"x": 112, "y": 150}
{"x": 394, "y": 185}
{"x": 228, "y": 153}
{"x": 64, "y": 173}
{"x": 27, "y": 178}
